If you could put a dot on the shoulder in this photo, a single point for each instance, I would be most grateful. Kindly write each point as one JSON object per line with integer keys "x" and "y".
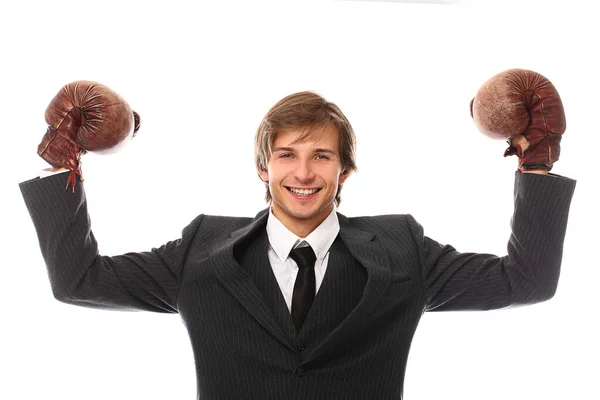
{"x": 221, "y": 223}
{"x": 389, "y": 224}
{"x": 374, "y": 219}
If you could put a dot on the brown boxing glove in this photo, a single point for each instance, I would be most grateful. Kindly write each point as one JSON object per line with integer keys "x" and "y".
{"x": 85, "y": 116}
{"x": 522, "y": 102}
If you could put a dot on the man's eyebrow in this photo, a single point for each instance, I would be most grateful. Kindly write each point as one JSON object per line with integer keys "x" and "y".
{"x": 324, "y": 151}
{"x": 282, "y": 149}
{"x": 291, "y": 149}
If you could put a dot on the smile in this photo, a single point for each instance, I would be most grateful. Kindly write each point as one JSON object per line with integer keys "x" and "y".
{"x": 303, "y": 192}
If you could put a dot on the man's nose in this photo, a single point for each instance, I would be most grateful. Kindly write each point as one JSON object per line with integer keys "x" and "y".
{"x": 304, "y": 171}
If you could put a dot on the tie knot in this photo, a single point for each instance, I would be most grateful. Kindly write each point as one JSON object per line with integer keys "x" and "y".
{"x": 304, "y": 256}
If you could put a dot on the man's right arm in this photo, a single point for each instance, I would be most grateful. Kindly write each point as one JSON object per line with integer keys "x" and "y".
{"x": 80, "y": 275}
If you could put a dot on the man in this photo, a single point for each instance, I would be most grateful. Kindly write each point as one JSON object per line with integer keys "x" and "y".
{"x": 302, "y": 302}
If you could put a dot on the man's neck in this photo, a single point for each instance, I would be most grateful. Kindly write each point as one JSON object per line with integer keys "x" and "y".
{"x": 301, "y": 227}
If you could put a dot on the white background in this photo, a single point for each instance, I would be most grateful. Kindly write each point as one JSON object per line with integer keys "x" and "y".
{"x": 202, "y": 76}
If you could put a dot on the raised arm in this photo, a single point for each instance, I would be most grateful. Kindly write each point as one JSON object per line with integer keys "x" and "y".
{"x": 527, "y": 274}
{"x": 87, "y": 116}
{"x": 525, "y": 108}
{"x": 80, "y": 275}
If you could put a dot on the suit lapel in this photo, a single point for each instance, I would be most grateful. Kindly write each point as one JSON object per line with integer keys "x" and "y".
{"x": 259, "y": 268}
{"x": 240, "y": 284}
{"x": 340, "y": 292}
{"x": 373, "y": 257}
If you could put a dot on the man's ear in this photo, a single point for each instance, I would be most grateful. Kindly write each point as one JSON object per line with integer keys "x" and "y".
{"x": 264, "y": 175}
{"x": 344, "y": 175}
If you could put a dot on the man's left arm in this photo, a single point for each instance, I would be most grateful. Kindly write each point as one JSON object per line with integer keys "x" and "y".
{"x": 527, "y": 274}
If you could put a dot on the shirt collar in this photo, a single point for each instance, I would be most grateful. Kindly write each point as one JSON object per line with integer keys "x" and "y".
{"x": 282, "y": 240}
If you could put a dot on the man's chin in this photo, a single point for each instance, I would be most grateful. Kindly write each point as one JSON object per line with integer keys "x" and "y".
{"x": 306, "y": 214}
{"x": 299, "y": 214}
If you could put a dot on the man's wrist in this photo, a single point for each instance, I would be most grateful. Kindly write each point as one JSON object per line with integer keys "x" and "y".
{"x": 535, "y": 171}
{"x": 51, "y": 171}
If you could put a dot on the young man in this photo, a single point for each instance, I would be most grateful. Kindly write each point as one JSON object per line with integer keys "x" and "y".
{"x": 302, "y": 302}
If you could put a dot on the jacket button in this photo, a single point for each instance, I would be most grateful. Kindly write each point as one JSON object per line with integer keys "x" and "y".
{"x": 300, "y": 346}
{"x": 300, "y": 371}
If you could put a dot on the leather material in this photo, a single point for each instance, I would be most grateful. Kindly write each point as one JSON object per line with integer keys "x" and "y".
{"x": 85, "y": 116}
{"x": 522, "y": 102}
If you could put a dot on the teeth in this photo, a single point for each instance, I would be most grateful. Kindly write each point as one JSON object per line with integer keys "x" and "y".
{"x": 303, "y": 192}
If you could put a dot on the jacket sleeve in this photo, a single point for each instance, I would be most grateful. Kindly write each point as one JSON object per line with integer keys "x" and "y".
{"x": 80, "y": 275}
{"x": 527, "y": 274}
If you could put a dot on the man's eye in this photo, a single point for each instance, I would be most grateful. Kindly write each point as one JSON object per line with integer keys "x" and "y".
{"x": 285, "y": 155}
{"x": 322, "y": 157}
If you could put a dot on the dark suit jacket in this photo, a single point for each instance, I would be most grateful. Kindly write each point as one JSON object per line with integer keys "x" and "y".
{"x": 241, "y": 346}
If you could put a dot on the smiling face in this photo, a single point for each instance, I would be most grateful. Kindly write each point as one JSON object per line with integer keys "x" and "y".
{"x": 303, "y": 177}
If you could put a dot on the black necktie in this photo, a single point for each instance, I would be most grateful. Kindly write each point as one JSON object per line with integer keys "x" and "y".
{"x": 305, "y": 286}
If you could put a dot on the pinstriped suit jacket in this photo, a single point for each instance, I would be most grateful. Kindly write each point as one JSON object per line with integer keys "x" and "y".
{"x": 242, "y": 349}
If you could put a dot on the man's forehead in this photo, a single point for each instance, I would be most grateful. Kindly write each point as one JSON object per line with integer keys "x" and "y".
{"x": 319, "y": 135}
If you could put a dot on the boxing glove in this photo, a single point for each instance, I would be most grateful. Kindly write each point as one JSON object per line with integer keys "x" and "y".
{"x": 85, "y": 116}
{"x": 522, "y": 102}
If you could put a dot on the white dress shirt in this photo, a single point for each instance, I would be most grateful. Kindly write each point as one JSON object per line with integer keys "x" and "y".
{"x": 282, "y": 241}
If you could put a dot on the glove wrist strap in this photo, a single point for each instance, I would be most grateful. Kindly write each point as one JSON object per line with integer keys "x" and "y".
{"x": 532, "y": 167}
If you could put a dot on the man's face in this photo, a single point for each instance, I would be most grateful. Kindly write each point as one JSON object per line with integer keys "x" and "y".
{"x": 304, "y": 176}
